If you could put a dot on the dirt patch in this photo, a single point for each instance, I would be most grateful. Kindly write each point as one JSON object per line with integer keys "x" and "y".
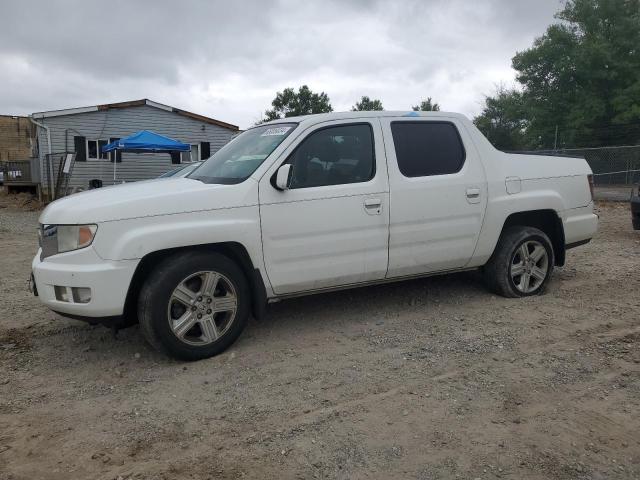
{"x": 14, "y": 339}
{"x": 427, "y": 379}
{"x": 19, "y": 201}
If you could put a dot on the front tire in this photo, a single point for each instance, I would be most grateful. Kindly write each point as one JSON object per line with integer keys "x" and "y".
{"x": 194, "y": 305}
{"x": 521, "y": 264}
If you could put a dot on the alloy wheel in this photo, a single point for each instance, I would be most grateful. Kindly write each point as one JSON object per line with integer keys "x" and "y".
{"x": 202, "y": 308}
{"x": 529, "y": 266}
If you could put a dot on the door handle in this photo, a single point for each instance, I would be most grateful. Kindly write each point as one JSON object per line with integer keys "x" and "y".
{"x": 373, "y": 206}
{"x": 473, "y": 192}
{"x": 473, "y": 195}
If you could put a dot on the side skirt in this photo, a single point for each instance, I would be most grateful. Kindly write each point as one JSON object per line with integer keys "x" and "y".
{"x": 367, "y": 284}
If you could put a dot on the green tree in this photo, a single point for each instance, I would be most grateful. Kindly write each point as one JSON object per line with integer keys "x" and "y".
{"x": 583, "y": 75}
{"x": 427, "y": 105}
{"x": 288, "y": 103}
{"x": 502, "y": 120}
{"x": 366, "y": 104}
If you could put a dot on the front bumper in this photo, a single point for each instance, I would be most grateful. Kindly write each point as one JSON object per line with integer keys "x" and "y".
{"x": 108, "y": 280}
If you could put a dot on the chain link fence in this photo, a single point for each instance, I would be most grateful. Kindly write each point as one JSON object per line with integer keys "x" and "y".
{"x": 610, "y": 165}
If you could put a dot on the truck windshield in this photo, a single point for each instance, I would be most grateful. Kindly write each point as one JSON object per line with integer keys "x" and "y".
{"x": 238, "y": 159}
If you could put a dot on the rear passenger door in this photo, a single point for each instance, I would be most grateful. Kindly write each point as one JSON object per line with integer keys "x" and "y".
{"x": 438, "y": 194}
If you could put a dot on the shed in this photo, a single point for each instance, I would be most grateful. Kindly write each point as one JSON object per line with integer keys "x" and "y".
{"x": 86, "y": 130}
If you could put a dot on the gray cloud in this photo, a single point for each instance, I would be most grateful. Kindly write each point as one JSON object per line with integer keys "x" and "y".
{"x": 227, "y": 59}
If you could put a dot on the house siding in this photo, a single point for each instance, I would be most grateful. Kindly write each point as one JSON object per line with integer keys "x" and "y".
{"x": 122, "y": 122}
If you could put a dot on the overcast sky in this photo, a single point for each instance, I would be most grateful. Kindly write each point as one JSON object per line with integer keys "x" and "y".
{"x": 227, "y": 59}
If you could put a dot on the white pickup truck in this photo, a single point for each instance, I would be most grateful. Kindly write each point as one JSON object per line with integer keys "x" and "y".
{"x": 305, "y": 205}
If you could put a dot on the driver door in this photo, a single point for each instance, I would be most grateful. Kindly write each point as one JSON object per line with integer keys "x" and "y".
{"x": 331, "y": 227}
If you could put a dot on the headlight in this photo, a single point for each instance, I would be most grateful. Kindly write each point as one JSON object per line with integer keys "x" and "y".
{"x": 64, "y": 238}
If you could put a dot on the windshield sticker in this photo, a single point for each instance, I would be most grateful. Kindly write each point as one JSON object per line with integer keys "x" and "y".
{"x": 279, "y": 131}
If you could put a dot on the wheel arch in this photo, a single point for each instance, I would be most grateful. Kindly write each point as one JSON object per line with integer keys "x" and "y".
{"x": 546, "y": 220}
{"x": 233, "y": 250}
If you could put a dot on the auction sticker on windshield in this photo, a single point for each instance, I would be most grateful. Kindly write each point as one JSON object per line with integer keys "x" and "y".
{"x": 275, "y": 131}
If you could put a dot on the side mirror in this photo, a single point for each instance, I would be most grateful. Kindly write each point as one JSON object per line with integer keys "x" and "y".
{"x": 283, "y": 177}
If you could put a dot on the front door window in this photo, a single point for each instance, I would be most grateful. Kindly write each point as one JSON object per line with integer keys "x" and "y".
{"x": 334, "y": 156}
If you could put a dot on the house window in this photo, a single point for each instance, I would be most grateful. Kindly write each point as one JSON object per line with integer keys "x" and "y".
{"x": 94, "y": 150}
{"x": 193, "y": 155}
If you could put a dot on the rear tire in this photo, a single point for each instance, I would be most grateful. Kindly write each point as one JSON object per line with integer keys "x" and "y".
{"x": 194, "y": 305}
{"x": 521, "y": 264}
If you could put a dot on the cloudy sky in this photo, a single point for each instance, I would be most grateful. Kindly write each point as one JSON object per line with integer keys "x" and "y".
{"x": 227, "y": 59}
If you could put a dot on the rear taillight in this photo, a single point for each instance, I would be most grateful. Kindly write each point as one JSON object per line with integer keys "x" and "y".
{"x": 590, "y": 179}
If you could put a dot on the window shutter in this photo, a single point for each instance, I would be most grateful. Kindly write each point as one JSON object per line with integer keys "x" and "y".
{"x": 205, "y": 150}
{"x": 175, "y": 157}
{"x": 116, "y": 153}
{"x": 80, "y": 144}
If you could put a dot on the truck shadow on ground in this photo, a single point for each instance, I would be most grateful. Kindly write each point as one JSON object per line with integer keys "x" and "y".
{"x": 371, "y": 301}
{"x": 313, "y": 315}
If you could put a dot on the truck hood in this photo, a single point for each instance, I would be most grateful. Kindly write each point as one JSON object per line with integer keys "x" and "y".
{"x": 144, "y": 199}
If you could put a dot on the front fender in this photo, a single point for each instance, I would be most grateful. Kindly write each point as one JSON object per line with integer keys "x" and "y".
{"x": 135, "y": 238}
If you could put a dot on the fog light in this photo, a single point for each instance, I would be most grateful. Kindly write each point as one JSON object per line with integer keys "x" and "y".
{"x": 81, "y": 294}
{"x": 72, "y": 294}
{"x": 63, "y": 294}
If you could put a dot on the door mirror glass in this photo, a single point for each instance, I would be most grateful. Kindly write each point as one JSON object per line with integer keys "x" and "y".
{"x": 283, "y": 177}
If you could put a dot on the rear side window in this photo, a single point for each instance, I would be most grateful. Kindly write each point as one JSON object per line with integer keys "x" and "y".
{"x": 427, "y": 148}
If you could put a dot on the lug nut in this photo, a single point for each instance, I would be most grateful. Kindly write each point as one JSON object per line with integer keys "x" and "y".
{"x": 209, "y": 312}
{"x": 194, "y": 308}
{"x": 209, "y": 300}
{"x": 199, "y": 299}
{"x": 199, "y": 316}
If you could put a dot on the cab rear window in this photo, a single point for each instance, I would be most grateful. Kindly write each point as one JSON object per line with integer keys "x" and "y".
{"x": 427, "y": 148}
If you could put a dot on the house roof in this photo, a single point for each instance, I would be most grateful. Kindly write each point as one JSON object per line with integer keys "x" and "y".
{"x": 134, "y": 103}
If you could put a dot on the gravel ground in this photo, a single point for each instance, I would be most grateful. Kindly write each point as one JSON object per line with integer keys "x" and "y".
{"x": 613, "y": 193}
{"x": 427, "y": 379}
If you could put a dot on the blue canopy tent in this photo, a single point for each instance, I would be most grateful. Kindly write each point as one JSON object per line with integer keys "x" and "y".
{"x": 145, "y": 141}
